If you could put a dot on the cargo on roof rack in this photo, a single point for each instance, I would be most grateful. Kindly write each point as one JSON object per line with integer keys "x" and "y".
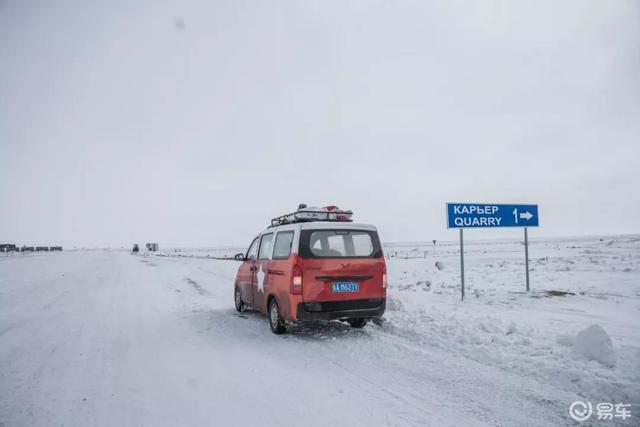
{"x": 329, "y": 213}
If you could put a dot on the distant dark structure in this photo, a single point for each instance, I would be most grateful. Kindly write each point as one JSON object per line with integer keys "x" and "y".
{"x": 135, "y": 249}
{"x": 8, "y": 247}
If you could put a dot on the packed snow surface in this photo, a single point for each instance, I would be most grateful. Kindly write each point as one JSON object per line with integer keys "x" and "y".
{"x": 107, "y": 338}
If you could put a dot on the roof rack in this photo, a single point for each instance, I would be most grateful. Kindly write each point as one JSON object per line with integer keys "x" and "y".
{"x": 330, "y": 213}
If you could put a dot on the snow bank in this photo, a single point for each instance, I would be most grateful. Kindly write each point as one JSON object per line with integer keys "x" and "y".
{"x": 594, "y": 343}
{"x": 501, "y": 326}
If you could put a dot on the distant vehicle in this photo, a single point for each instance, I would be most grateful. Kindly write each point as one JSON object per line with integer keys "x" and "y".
{"x": 152, "y": 247}
{"x": 55, "y": 248}
{"x": 313, "y": 264}
{"x": 135, "y": 248}
{"x": 42, "y": 248}
{"x": 8, "y": 247}
{"x": 28, "y": 249}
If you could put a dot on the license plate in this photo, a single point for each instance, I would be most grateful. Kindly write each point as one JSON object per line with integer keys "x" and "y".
{"x": 344, "y": 287}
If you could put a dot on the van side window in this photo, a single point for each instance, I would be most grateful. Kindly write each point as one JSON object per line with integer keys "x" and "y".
{"x": 253, "y": 249}
{"x": 265, "y": 246}
{"x": 282, "y": 247}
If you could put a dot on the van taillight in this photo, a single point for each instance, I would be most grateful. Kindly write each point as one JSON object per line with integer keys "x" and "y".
{"x": 384, "y": 277}
{"x": 296, "y": 280}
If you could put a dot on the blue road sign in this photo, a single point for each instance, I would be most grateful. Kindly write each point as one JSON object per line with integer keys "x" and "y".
{"x": 484, "y": 215}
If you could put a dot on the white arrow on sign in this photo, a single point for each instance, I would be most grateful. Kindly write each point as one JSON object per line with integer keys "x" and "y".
{"x": 527, "y": 215}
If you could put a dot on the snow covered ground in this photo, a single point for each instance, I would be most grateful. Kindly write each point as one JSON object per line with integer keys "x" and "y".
{"x": 109, "y": 338}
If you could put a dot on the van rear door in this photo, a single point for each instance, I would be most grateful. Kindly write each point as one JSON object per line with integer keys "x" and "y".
{"x": 340, "y": 264}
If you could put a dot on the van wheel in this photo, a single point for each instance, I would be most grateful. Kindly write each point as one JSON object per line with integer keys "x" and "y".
{"x": 357, "y": 323}
{"x": 275, "y": 319}
{"x": 237, "y": 296}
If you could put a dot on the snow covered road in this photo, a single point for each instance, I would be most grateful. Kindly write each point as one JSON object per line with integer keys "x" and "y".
{"x": 107, "y": 338}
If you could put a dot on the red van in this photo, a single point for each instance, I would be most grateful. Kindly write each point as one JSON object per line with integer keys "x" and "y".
{"x": 313, "y": 264}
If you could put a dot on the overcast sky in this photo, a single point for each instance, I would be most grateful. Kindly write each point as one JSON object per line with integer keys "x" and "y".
{"x": 193, "y": 123}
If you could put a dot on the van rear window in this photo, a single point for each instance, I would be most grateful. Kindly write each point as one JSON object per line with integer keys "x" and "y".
{"x": 339, "y": 244}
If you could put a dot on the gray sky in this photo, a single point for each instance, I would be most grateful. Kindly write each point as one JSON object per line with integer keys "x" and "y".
{"x": 118, "y": 126}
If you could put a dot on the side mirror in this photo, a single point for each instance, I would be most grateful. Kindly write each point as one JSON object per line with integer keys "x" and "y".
{"x": 239, "y": 257}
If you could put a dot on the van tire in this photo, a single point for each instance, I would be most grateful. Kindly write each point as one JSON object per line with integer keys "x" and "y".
{"x": 357, "y": 323}
{"x": 237, "y": 297}
{"x": 275, "y": 318}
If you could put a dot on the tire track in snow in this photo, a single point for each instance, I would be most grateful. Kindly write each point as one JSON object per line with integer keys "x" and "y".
{"x": 387, "y": 392}
{"x": 196, "y": 286}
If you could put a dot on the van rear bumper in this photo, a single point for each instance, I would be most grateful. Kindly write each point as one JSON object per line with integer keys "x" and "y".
{"x": 350, "y": 309}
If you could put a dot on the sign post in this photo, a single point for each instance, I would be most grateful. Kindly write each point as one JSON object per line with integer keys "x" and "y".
{"x": 491, "y": 215}
{"x": 526, "y": 255}
{"x": 462, "y": 263}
